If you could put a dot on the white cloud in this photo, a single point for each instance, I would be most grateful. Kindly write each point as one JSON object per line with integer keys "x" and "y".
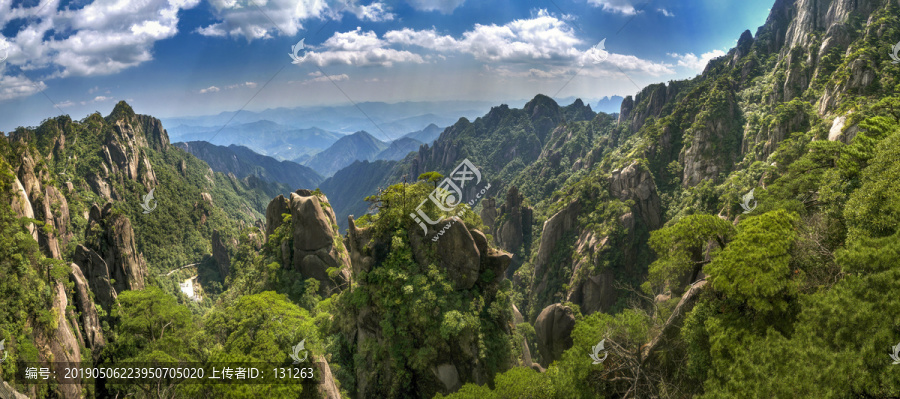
{"x": 374, "y": 12}
{"x": 444, "y": 6}
{"x": 241, "y": 18}
{"x": 616, "y": 6}
{"x": 358, "y": 48}
{"x": 18, "y": 86}
{"x": 543, "y": 37}
{"x": 250, "y": 85}
{"x": 319, "y": 77}
{"x": 103, "y": 37}
{"x": 216, "y": 89}
{"x": 693, "y": 62}
{"x": 665, "y": 12}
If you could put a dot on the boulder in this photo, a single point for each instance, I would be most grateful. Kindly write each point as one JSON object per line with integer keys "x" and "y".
{"x": 90, "y": 321}
{"x": 312, "y": 226}
{"x": 553, "y": 328}
{"x": 458, "y": 254}
{"x": 314, "y": 247}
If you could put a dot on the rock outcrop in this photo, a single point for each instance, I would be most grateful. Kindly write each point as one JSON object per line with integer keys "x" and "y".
{"x": 315, "y": 245}
{"x": 635, "y": 183}
{"x": 61, "y": 344}
{"x": 277, "y": 207}
{"x": 715, "y": 141}
{"x": 468, "y": 262}
{"x": 90, "y": 321}
{"x": 553, "y": 231}
{"x": 21, "y": 205}
{"x": 111, "y": 236}
{"x": 96, "y": 274}
{"x": 222, "y": 248}
{"x": 514, "y": 230}
{"x": 553, "y": 329}
{"x": 459, "y": 255}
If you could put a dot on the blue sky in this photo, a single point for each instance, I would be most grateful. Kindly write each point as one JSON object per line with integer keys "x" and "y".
{"x": 172, "y": 58}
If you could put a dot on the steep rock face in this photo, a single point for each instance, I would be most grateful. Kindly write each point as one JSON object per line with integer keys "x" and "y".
{"x": 650, "y": 101}
{"x": 96, "y": 274}
{"x": 114, "y": 240}
{"x": 60, "y": 345}
{"x": 635, "y": 183}
{"x": 90, "y": 322}
{"x": 815, "y": 15}
{"x": 554, "y": 228}
{"x": 715, "y": 144}
{"x": 515, "y": 228}
{"x": 553, "y": 329}
{"x": 21, "y": 205}
{"x": 489, "y": 213}
{"x": 459, "y": 255}
{"x": 596, "y": 292}
{"x": 221, "y": 251}
{"x": 47, "y": 205}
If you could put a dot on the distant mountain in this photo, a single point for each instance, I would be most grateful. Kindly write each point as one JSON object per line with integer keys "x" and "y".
{"x": 357, "y": 146}
{"x": 394, "y": 120}
{"x": 243, "y": 162}
{"x": 264, "y": 137}
{"x": 609, "y": 105}
{"x": 427, "y": 135}
{"x": 352, "y": 184}
{"x": 400, "y": 148}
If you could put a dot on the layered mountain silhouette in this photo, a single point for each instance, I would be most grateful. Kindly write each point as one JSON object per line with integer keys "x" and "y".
{"x": 242, "y": 162}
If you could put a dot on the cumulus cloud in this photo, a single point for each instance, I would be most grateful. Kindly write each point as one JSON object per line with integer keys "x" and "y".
{"x": 665, "y": 12}
{"x": 358, "y": 48}
{"x": 543, "y": 37}
{"x": 253, "y": 19}
{"x": 444, "y": 6}
{"x": 615, "y": 6}
{"x": 18, "y": 86}
{"x": 101, "y": 38}
{"x": 210, "y": 89}
{"x": 695, "y": 63}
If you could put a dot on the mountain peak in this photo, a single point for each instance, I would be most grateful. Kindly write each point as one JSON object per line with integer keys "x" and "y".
{"x": 121, "y": 111}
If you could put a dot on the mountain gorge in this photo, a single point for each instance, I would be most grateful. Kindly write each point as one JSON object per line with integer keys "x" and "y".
{"x": 730, "y": 235}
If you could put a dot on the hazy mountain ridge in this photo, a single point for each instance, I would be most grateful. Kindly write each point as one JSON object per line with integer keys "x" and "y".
{"x": 348, "y": 149}
{"x": 264, "y": 137}
{"x": 242, "y": 162}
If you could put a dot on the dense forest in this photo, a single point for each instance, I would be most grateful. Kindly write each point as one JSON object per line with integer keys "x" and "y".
{"x": 731, "y": 235}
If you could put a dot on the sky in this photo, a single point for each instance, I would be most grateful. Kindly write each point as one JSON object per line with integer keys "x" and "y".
{"x": 172, "y": 58}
